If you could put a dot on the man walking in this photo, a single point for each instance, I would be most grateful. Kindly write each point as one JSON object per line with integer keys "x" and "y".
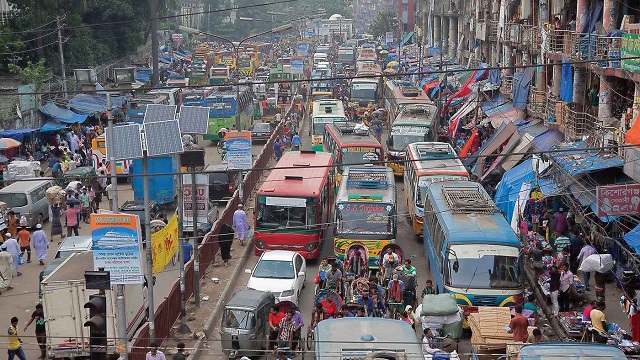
{"x": 518, "y": 326}
{"x": 277, "y": 149}
{"x": 12, "y": 247}
{"x": 40, "y": 243}
{"x": 15, "y": 344}
{"x": 71, "y": 215}
{"x": 241, "y": 223}
{"x": 24, "y": 238}
{"x": 296, "y": 141}
{"x": 586, "y": 251}
{"x": 154, "y": 353}
{"x": 285, "y": 332}
{"x": 41, "y": 332}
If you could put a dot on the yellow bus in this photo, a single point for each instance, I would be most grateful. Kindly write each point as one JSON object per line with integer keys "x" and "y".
{"x": 426, "y": 163}
{"x": 99, "y": 155}
{"x": 326, "y": 111}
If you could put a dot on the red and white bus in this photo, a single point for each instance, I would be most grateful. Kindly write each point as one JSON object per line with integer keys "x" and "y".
{"x": 293, "y": 204}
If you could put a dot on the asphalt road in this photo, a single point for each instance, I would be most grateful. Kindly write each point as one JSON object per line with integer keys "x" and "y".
{"x": 22, "y": 299}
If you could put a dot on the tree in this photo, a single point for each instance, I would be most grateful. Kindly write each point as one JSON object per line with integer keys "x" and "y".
{"x": 385, "y": 21}
{"x": 32, "y": 73}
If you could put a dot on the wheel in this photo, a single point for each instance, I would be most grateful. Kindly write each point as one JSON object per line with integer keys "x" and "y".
{"x": 174, "y": 258}
{"x": 40, "y": 219}
{"x": 311, "y": 338}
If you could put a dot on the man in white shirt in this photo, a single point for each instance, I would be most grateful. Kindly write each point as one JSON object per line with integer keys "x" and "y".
{"x": 154, "y": 353}
{"x": 428, "y": 347}
{"x": 13, "y": 248}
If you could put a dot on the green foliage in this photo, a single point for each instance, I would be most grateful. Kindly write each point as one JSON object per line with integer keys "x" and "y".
{"x": 32, "y": 73}
{"x": 384, "y": 21}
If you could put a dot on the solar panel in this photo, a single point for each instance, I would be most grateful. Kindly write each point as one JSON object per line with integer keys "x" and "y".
{"x": 155, "y": 113}
{"x": 127, "y": 143}
{"x": 193, "y": 119}
{"x": 163, "y": 138}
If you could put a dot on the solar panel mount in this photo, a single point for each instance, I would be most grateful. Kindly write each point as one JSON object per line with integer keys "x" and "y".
{"x": 163, "y": 138}
{"x": 127, "y": 142}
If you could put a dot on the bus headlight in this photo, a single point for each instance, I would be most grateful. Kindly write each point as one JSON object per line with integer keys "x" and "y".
{"x": 259, "y": 244}
{"x": 311, "y": 246}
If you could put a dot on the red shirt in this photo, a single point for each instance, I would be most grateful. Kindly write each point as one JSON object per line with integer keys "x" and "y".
{"x": 23, "y": 237}
{"x": 330, "y": 309}
{"x": 274, "y": 319}
{"x": 518, "y": 325}
{"x": 72, "y": 216}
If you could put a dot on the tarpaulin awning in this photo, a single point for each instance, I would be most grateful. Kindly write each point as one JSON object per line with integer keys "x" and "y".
{"x": 467, "y": 107}
{"x": 498, "y": 109}
{"x": 547, "y": 140}
{"x": 17, "y": 134}
{"x": 633, "y": 238}
{"x": 93, "y": 104}
{"x": 62, "y": 115}
{"x": 521, "y": 88}
{"x": 52, "y": 126}
{"x": 512, "y": 115}
{"x": 580, "y": 162}
{"x": 502, "y": 134}
{"x": 566, "y": 81}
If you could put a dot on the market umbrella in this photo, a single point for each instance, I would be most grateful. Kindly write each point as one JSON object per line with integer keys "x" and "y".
{"x": 392, "y": 64}
{"x": 384, "y": 52}
{"x": 3, "y": 159}
{"x": 9, "y": 143}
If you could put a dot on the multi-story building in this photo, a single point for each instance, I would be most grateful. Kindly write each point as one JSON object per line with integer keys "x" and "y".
{"x": 335, "y": 28}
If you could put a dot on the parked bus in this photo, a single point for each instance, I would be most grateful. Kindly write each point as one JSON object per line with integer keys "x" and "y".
{"x": 400, "y": 93}
{"x": 329, "y": 111}
{"x": 346, "y": 56}
{"x": 224, "y": 107}
{"x": 137, "y": 107}
{"x": 293, "y": 205}
{"x": 428, "y": 162}
{"x": 366, "y": 338}
{"x": 318, "y": 94}
{"x": 472, "y": 250}
{"x": 195, "y": 97}
{"x": 366, "y": 212}
{"x": 219, "y": 74}
{"x": 416, "y": 123}
{"x": 351, "y": 146}
{"x": 227, "y": 58}
{"x": 366, "y": 55}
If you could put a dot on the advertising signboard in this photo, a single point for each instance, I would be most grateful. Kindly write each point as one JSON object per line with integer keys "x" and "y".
{"x": 238, "y": 146}
{"x": 117, "y": 247}
{"x": 202, "y": 197}
{"x": 297, "y": 65}
{"x": 614, "y": 200}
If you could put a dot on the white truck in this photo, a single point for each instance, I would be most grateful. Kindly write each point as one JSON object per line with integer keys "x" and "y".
{"x": 63, "y": 297}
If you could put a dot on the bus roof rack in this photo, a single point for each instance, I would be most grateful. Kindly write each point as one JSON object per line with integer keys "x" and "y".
{"x": 353, "y": 129}
{"x": 367, "y": 178}
{"x": 463, "y": 200}
{"x": 293, "y": 177}
{"x": 410, "y": 91}
{"x": 434, "y": 151}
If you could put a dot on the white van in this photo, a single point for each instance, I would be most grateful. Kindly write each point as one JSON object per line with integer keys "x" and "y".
{"x": 27, "y": 197}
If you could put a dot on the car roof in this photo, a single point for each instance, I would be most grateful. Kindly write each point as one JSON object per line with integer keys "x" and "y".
{"x": 278, "y": 255}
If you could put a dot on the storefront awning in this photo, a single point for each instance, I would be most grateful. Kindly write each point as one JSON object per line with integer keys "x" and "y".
{"x": 62, "y": 115}
{"x": 547, "y": 140}
{"x": 580, "y": 162}
{"x": 52, "y": 126}
{"x": 633, "y": 238}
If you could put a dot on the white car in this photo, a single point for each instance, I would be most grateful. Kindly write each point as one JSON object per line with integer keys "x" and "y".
{"x": 281, "y": 273}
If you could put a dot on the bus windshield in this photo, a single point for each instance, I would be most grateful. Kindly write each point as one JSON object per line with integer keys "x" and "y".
{"x": 320, "y": 122}
{"x": 484, "y": 272}
{"x": 283, "y": 213}
{"x": 365, "y": 218}
{"x": 359, "y": 155}
{"x": 363, "y": 91}
{"x": 401, "y": 136}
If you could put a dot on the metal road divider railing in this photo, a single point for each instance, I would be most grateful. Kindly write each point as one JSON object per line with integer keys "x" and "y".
{"x": 168, "y": 312}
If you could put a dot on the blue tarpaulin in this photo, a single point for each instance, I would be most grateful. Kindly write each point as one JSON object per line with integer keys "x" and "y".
{"x": 633, "y": 238}
{"x": 494, "y": 76}
{"x": 499, "y": 109}
{"x": 17, "y": 134}
{"x": 93, "y": 104}
{"x": 62, "y": 115}
{"x": 547, "y": 140}
{"x": 580, "y": 162}
{"x": 52, "y": 126}
{"x": 566, "y": 82}
{"x": 521, "y": 88}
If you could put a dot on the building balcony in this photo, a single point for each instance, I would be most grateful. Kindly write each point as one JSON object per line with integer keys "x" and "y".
{"x": 506, "y": 86}
{"x": 578, "y": 47}
{"x": 530, "y": 38}
{"x": 578, "y": 124}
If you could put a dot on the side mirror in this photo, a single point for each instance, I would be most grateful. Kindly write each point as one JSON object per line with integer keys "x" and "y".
{"x": 301, "y": 274}
{"x": 456, "y": 266}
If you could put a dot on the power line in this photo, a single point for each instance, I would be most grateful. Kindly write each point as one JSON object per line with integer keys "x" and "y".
{"x": 37, "y": 29}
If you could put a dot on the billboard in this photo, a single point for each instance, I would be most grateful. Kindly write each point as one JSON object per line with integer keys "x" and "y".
{"x": 614, "y": 200}
{"x": 117, "y": 247}
{"x": 630, "y": 47}
{"x": 238, "y": 144}
{"x": 303, "y": 49}
{"x": 297, "y": 65}
{"x": 202, "y": 198}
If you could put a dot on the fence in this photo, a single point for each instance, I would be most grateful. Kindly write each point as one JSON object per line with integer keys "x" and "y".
{"x": 168, "y": 311}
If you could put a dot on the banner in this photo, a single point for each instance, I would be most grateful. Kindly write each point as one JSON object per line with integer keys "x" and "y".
{"x": 631, "y": 48}
{"x": 202, "y": 198}
{"x": 117, "y": 247}
{"x": 164, "y": 244}
{"x": 616, "y": 200}
{"x": 297, "y": 65}
{"x": 238, "y": 145}
{"x": 303, "y": 49}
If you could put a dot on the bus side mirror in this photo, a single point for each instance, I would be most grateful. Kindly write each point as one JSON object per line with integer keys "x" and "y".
{"x": 456, "y": 266}
{"x": 390, "y": 141}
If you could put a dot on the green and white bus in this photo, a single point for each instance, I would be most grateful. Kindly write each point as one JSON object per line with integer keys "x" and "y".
{"x": 224, "y": 107}
{"x": 326, "y": 111}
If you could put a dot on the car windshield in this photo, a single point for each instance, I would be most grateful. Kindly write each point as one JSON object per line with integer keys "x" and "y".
{"x": 359, "y": 155}
{"x": 14, "y": 200}
{"x": 363, "y": 92}
{"x": 484, "y": 272}
{"x": 365, "y": 218}
{"x": 274, "y": 269}
{"x": 239, "y": 319}
{"x": 218, "y": 178}
{"x": 263, "y": 127}
{"x": 286, "y": 213}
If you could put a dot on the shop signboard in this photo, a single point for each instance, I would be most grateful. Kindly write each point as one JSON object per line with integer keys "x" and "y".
{"x": 615, "y": 200}
{"x": 631, "y": 48}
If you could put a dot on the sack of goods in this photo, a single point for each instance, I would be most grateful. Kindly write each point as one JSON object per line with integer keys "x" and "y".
{"x": 601, "y": 263}
{"x": 55, "y": 195}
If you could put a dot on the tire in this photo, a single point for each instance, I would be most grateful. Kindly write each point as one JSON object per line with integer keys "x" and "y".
{"x": 311, "y": 338}
{"x": 40, "y": 219}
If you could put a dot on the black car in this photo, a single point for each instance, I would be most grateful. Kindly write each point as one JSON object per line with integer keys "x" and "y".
{"x": 136, "y": 207}
{"x": 261, "y": 131}
{"x": 222, "y": 182}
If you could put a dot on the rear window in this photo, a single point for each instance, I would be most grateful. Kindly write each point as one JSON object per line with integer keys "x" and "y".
{"x": 262, "y": 127}
{"x": 219, "y": 178}
{"x": 14, "y": 199}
